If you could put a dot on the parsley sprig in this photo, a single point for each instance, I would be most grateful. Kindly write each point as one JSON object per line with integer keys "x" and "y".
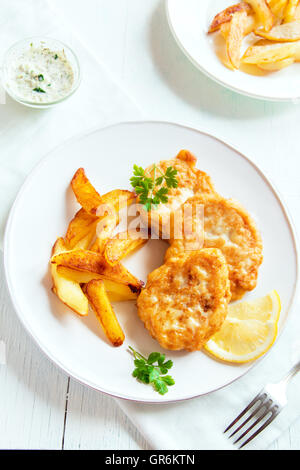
{"x": 39, "y": 90}
{"x": 153, "y": 370}
{"x": 150, "y": 190}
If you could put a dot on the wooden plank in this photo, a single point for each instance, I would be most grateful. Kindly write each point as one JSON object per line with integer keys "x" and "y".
{"x": 95, "y": 421}
{"x": 32, "y": 389}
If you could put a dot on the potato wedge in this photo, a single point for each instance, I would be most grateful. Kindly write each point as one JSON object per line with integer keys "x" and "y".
{"x": 122, "y": 291}
{"x": 117, "y": 248}
{"x": 234, "y": 37}
{"x": 250, "y": 25}
{"x": 67, "y": 290}
{"x": 278, "y": 7}
{"x": 88, "y": 261}
{"x": 287, "y": 32}
{"x": 81, "y": 226}
{"x": 118, "y": 198}
{"x": 297, "y": 13}
{"x": 84, "y": 243}
{"x": 90, "y": 199}
{"x": 263, "y": 13}
{"x": 226, "y": 15}
{"x": 290, "y": 10}
{"x": 115, "y": 297}
{"x": 85, "y": 193}
{"x": 279, "y": 65}
{"x": 104, "y": 232}
{"x": 101, "y": 305}
{"x": 97, "y": 246}
{"x": 262, "y": 54}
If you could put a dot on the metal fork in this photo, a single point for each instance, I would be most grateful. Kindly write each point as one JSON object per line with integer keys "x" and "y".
{"x": 265, "y": 406}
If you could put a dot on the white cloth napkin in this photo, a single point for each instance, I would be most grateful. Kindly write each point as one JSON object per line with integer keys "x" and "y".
{"x": 199, "y": 423}
{"x": 26, "y": 135}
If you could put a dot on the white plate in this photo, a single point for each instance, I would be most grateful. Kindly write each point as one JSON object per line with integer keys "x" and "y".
{"x": 189, "y": 21}
{"x": 42, "y": 210}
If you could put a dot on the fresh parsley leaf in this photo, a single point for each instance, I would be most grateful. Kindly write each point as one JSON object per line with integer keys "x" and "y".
{"x": 168, "y": 364}
{"x": 153, "y": 375}
{"x": 160, "y": 386}
{"x": 170, "y": 177}
{"x": 139, "y": 363}
{"x": 39, "y": 90}
{"x": 152, "y": 370}
{"x": 40, "y": 77}
{"x": 138, "y": 170}
{"x": 168, "y": 380}
{"x": 161, "y": 359}
{"x": 150, "y": 190}
{"x": 56, "y": 57}
{"x": 153, "y": 357}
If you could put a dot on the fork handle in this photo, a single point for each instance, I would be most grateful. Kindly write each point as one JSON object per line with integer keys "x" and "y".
{"x": 291, "y": 373}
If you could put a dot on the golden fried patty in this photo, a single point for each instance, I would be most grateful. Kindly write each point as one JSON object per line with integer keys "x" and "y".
{"x": 185, "y": 300}
{"x": 229, "y": 227}
{"x": 191, "y": 181}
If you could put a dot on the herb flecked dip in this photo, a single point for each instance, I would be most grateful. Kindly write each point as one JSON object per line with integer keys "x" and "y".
{"x": 40, "y": 75}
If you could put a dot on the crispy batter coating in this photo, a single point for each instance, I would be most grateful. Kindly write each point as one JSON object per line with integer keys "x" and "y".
{"x": 185, "y": 300}
{"x": 191, "y": 181}
{"x": 229, "y": 227}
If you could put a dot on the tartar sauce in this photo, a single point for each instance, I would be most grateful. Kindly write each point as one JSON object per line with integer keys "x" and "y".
{"x": 40, "y": 75}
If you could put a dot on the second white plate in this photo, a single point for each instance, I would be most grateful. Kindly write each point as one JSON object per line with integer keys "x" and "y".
{"x": 46, "y": 204}
{"x": 189, "y": 22}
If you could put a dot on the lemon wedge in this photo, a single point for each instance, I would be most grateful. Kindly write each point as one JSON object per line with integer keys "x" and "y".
{"x": 249, "y": 330}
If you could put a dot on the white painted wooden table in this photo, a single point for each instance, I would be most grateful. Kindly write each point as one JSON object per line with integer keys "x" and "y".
{"x": 40, "y": 406}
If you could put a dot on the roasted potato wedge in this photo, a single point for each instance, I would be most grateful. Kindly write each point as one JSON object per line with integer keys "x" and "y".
{"x": 119, "y": 198}
{"x": 288, "y": 32}
{"x": 122, "y": 291}
{"x": 88, "y": 261}
{"x": 278, "y": 7}
{"x": 263, "y": 13}
{"x": 85, "y": 193}
{"x": 290, "y": 10}
{"x": 85, "y": 242}
{"x": 234, "y": 35}
{"x": 98, "y": 246}
{"x": 226, "y": 15}
{"x": 101, "y": 305}
{"x": 82, "y": 226}
{"x": 104, "y": 231}
{"x": 279, "y": 65}
{"x": 115, "y": 297}
{"x": 297, "y": 13}
{"x": 67, "y": 290}
{"x": 263, "y": 54}
{"x": 117, "y": 248}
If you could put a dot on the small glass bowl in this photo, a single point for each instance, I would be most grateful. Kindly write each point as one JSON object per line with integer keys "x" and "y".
{"x": 53, "y": 44}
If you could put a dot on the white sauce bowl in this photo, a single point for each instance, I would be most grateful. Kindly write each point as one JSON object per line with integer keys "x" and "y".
{"x": 17, "y": 50}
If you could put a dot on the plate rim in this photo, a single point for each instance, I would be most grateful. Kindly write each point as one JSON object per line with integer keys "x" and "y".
{"x": 92, "y": 130}
{"x": 213, "y": 77}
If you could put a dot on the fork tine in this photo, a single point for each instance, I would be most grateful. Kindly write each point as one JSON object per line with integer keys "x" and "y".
{"x": 255, "y": 399}
{"x": 260, "y": 417}
{"x": 275, "y": 412}
{"x": 254, "y": 413}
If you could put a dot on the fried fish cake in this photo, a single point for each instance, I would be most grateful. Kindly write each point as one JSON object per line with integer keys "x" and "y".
{"x": 190, "y": 180}
{"x": 227, "y": 226}
{"x": 185, "y": 300}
